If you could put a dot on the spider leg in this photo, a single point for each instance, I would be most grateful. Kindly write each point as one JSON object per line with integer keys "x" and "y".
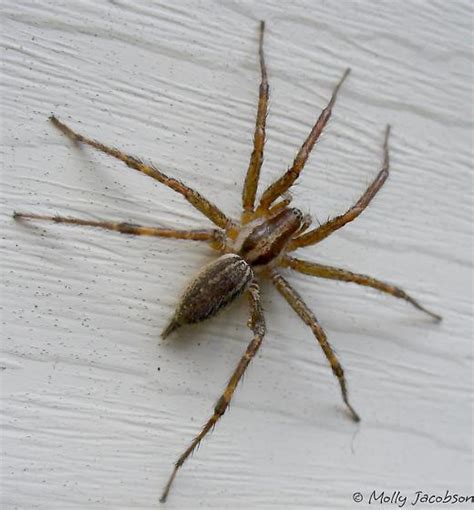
{"x": 289, "y": 177}
{"x": 300, "y": 307}
{"x": 280, "y": 205}
{"x": 335, "y": 273}
{"x": 214, "y": 236}
{"x": 256, "y": 159}
{"x": 257, "y": 325}
{"x": 318, "y": 234}
{"x": 193, "y": 197}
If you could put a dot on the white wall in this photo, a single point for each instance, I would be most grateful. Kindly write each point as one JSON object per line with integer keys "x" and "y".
{"x": 96, "y": 409}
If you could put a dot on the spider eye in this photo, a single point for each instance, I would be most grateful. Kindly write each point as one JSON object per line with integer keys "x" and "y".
{"x": 298, "y": 214}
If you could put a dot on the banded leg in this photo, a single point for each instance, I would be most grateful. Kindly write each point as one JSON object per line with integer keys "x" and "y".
{"x": 257, "y": 325}
{"x": 289, "y": 177}
{"x": 318, "y": 234}
{"x": 334, "y": 273}
{"x": 299, "y": 306}
{"x": 256, "y": 159}
{"x": 213, "y": 236}
{"x": 193, "y": 197}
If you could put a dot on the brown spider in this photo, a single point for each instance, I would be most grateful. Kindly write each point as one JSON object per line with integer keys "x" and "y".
{"x": 257, "y": 244}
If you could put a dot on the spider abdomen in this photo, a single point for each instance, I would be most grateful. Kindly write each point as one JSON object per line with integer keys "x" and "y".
{"x": 216, "y": 285}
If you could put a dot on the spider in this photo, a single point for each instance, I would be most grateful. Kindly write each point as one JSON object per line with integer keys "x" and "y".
{"x": 257, "y": 245}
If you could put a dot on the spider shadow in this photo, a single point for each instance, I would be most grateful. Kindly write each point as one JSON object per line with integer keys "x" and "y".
{"x": 98, "y": 168}
{"x": 47, "y": 239}
{"x": 212, "y": 335}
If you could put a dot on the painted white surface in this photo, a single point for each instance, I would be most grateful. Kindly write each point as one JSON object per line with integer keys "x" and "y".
{"x": 95, "y": 408}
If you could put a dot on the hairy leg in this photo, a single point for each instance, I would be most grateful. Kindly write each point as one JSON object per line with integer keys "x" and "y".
{"x": 214, "y": 236}
{"x": 318, "y": 234}
{"x": 300, "y": 307}
{"x": 193, "y": 197}
{"x": 256, "y": 159}
{"x": 289, "y": 177}
{"x": 257, "y": 325}
{"x": 334, "y": 273}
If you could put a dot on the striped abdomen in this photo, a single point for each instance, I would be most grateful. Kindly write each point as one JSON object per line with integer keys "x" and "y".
{"x": 217, "y": 285}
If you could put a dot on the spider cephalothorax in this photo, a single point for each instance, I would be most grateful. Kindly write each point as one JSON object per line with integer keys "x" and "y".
{"x": 257, "y": 245}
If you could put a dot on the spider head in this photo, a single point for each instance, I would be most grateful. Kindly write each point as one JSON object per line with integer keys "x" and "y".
{"x": 267, "y": 240}
{"x": 304, "y": 220}
{"x": 296, "y": 213}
